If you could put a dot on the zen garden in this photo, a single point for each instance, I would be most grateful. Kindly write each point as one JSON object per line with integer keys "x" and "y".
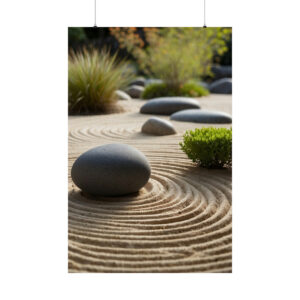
{"x": 150, "y": 149}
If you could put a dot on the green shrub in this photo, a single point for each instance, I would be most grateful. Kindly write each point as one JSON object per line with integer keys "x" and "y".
{"x": 192, "y": 89}
{"x": 155, "y": 90}
{"x": 189, "y": 89}
{"x": 93, "y": 78}
{"x": 209, "y": 147}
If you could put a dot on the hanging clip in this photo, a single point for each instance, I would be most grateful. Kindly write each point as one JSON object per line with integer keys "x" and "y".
{"x": 95, "y": 24}
{"x": 204, "y": 15}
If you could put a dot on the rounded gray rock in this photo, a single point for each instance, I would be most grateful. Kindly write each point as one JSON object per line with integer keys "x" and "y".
{"x": 202, "y": 116}
{"x": 168, "y": 105}
{"x": 120, "y": 95}
{"x": 111, "y": 170}
{"x": 158, "y": 126}
{"x": 135, "y": 91}
{"x": 221, "y": 86}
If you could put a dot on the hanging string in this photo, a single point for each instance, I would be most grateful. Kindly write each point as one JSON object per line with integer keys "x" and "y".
{"x": 204, "y": 13}
{"x": 95, "y": 24}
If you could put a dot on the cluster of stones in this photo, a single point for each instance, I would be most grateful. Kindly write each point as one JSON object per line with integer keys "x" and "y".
{"x": 221, "y": 85}
{"x": 136, "y": 88}
{"x": 179, "y": 109}
{"x": 119, "y": 169}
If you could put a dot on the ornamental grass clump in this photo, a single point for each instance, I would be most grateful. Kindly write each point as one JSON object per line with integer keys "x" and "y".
{"x": 93, "y": 79}
{"x": 209, "y": 147}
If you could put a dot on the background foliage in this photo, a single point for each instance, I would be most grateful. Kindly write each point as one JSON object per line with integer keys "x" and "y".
{"x": 175, "y": 54}
{"x": 108, "y": 37}
{"x": 189, "y": 89}
{"x": 179, "y": 56}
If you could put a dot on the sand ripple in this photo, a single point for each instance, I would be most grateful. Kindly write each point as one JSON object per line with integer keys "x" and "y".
{"x": 179, "y": 222}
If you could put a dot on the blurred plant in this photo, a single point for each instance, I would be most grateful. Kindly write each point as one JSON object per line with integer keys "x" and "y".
{"x": 209, "y": 147}
{"x": 155, "y": 90}
{"x": 76, "y": 35}
{"x": 93, "y": 78}
{"x": 128, "y": 38}
{"x": 176, "y": 54}
{"x": 189, "y": 89}
{"x": 192, "y": 89}
{"x": 225, "y": 59}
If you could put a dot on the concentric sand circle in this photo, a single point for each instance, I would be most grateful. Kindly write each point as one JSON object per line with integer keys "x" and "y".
{"x": 179, "y": 222}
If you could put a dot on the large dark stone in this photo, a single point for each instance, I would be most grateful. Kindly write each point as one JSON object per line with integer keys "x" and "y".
{"x": 135, "y": 91}
{"x": 157, "y": 126}
{"x": 168, "y": 105}
{"x": 202, "y": 116}
{"x": 221, "y": 86}
{"x": 111, "y": 170}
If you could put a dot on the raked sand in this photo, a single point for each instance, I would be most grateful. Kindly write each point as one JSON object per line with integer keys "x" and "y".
{"x": 179, "y": 222}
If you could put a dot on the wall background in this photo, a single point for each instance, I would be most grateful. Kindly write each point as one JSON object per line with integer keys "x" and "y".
{"x": 33, "y": 62}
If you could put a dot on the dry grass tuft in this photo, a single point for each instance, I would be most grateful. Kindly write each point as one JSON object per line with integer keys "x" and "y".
{"x": 93, "y": 78}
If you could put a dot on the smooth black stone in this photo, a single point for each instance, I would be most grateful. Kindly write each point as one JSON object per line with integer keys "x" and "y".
{"x": 168, "y": 105}
{"x": 221, "y": 86}
{"x": 202, "y": 116}
{"x": 111, "y": 170}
